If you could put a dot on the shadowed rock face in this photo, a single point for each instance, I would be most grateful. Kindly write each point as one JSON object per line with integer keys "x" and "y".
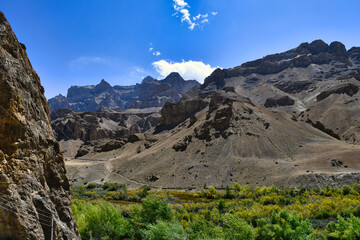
{"x": 89, "y": 126}
{"x": 32, "y": 171}
{"x": 348, "y": 88}
{"x": 281, "y": 101}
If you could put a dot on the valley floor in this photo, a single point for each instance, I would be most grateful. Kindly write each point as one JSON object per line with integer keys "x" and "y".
{"x": 111, "y": 211}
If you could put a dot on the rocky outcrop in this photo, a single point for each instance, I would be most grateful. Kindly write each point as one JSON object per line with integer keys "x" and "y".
{"x": 294, "y": 87}
{"x": 281, "y": 101}
{"x": 175, "y": 113}
{"x": 348, "y": 88}
{"x": 34, "y": 184}
{"x": 150, "y": 93}
{"x": 89, "y": 126}
{"x": 216, "y": 79}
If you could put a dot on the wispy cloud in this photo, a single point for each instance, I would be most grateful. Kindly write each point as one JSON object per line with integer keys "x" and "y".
{"x": 182, "y": 8}
{"x": 83, "y": 61}
{"x": 187, "y": 69}
{"x": 153, "y": 51}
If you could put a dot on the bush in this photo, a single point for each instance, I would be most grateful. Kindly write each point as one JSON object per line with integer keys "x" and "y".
{"x": 236, "y": 228}
{"x": 154, "y": 209}
{"x": 221, "y": 205}
{"x": 211, "y": 193}
{"x": 113, "y": 186}
{"x": 346, "y": 189}
{"x": 144, "y": 192}
{"x": 162, "y": 230}
{"x": 284, "y": 225}
{"x": 103, "y": 220}
{"x": 346, "y": 230}
{"x": 202, "y": 229}
{"x": 91, "y": 185}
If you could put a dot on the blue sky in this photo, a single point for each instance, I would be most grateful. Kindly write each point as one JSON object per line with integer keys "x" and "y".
{"x": 81, "y": 42}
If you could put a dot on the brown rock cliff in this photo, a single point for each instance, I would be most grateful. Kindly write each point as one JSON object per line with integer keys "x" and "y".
{"x": 33, "y": 178}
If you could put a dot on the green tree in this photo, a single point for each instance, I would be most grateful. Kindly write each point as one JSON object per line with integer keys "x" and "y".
{"x": 163, "y": 230}
{"x": 236, "y": 228}
{"x": 284, "y": 225}
{"x": 154, "y": 209}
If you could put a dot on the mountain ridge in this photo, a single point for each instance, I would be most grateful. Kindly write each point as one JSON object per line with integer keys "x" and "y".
{"x": 149, "y": 93}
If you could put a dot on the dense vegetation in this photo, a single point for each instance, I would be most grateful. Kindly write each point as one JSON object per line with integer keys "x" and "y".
{"x": 110, "y": 211}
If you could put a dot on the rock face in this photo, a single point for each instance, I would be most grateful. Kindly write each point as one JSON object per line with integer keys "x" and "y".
{"x": 89, "y": 126}
{"x": 348, "y": 88}
{"x": 150, "y": 93}
{"x": 281, "y": 101}
{"x": 34, "y": 182}
{"x": 314, "y": 82}
{"x": 175, "y": 113}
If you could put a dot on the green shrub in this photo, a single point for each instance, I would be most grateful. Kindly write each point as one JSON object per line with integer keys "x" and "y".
{"x": 221, "y": 205}
{"x": 102, "y": 219}
{"x": 346, "y": 189}
{"x": 162, "y": 230}
{"x": 284, "y": 225}
{"x": 144, "y": 192}
{"x": 236, "y": 228}
{"x": 211, "y": 193}
{"x": 91, "y": 185}
{"x": 344, "y": 229}
{"x": 154, "y": 209}
{"x": 228, "y": 192}
{"x": 113, "y": 186}
{"x": 202, "y": 229}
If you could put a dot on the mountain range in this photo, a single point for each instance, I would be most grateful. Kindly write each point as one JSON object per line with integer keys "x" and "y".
{"x": 290, "y": 119}
{"x": 150, "y": 93}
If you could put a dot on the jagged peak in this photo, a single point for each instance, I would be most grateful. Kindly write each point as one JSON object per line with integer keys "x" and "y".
{"x": 147, "y": 79}
{"x": 103, "y": 82}
{"x": 173, "y": 75}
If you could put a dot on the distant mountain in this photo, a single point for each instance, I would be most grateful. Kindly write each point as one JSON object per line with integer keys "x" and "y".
{"x": 150, "y": 93}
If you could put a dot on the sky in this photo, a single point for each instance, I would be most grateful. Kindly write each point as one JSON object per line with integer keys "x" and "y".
{"x": 80, "y": 42}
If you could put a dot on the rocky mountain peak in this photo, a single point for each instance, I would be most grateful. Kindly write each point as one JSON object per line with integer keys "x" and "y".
{"x": 150, "y": 93}
{"x": 173, "y": 75}
{"x": 318, "y": 46}
{"x": 338, "y": 49}
{"x": 147, "y": 79}
{"x": 102, "y": 86}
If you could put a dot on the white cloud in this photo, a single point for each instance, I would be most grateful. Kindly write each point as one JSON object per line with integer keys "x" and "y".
{"x": 185, "y": 16}
{"x": 180, "y": 6}
{"x": 187, "y": 69}
{"x": 153, "y": 51}
{"x": 200, "y": 16}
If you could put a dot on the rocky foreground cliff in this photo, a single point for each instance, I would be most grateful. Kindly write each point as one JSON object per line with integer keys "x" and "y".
{"x": 34, "y": 187}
